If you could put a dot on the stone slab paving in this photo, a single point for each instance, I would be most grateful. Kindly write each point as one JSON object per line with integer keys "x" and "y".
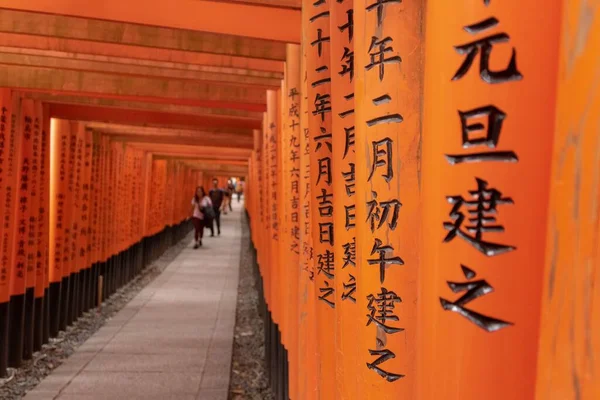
{"x": 172, "y": 341}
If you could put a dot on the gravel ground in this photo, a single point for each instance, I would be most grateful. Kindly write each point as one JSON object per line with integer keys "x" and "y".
{"x": 249, "y": 379}
{"x": 53, "y": 354}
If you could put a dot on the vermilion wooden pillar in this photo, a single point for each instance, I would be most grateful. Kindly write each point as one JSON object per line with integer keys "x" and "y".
{"x": 388, "y": 97}
{"x": 319, "y": 71}
{"x": 41, "y": 231}
{"x": 291, "y": 206}
{"x": 22, "y": 210}
{"x": 31, "y": 122}
{"x": 84, "y": 242}
{"x": 59, "y": 147}
{"x": 34, "y": 120}
{"x": 7, "y": 187}
{"x": 344, "y": 189}
{"x": 490, "y": 79}
{"x": 266, "y": 230}
{"x": 307, "y": 331}
{"x": 568, "y": 365}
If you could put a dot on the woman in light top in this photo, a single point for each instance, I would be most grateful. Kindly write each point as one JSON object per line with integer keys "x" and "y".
{"x": 200, "y": 203}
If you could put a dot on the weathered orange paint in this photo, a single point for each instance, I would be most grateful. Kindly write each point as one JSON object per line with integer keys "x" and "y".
{"x": 567, "y": 365}
{"x": 458, "y": 359}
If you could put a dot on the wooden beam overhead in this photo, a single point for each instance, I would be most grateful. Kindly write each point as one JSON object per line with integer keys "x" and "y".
{"x": 132, "y": 88}
{"x": 140, "y": 62}
{"x": 137, "y": 52}
{"x": 151, "y": 131}
{"x": 291, "y": 4}
{"x": 253, "y": 18}
{"x": 176, "y": 150}
{"x": 142, "y": 106}
{"x": 50, "y": 25}
{"x": 136, "y": 70}
{"x": 233, "y": 160}
{"x": 239, "y": 143}
{"x": 152, "y": 119}
{"x": 131, "y": 133}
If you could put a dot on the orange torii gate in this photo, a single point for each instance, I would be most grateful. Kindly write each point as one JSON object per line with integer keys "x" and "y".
{"x": 420, "y": 180}
{"x": 459, "y": 167}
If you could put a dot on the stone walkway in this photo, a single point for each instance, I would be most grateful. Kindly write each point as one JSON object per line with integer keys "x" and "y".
{"x": 172, "y": 341}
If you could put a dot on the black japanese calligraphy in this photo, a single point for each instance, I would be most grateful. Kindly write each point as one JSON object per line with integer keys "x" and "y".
{"x": 382, "y": 260}
{"x": 379, "y": 5}
{"x": 349, "y": 289}
{"x": 474, "y": 290}
{"x": 327, "y": 295}
{"x": 383, "y": 356}
{"x": 382, "y": 157}
{"x": 326, "y": 264}
{"x": 379, "y": 212}
{"x": 485, "y": 46}
{"x": 482, "y": 211}
{"x": 350, "y": 253}
{"x": 381, "y": 308}
{"x": 322, "y": 105}
{"x": 378, "y": 51}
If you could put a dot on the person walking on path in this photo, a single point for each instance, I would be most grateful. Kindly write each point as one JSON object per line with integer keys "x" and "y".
{"x": 216, "y": 196}
{"x": 239, "y": 189}
{"x": 230, "y": 190}
{"x": 200, "y": 203}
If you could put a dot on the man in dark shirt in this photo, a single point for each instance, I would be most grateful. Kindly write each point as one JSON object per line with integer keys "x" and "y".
{"x": 216, "y": 196}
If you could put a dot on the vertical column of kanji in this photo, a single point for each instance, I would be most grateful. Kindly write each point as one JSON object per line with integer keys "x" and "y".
{"x": 290, "y": 156}
{"x": 258, "y": 146}
{"x": 568, "y": 366}
{"x": 344, "y": 205}
{"x": 109, "y": 220}
{"x": 282, "y": 243}
{"x": 10, "y": 223}
{"x": 319, "y": 96}
{"x": 104, "y": 205}
{"x": 94, "y": 194}
{"x": 265, "y": 237}
{"x": 273, "y": 236}
{"x": 84, "y": 240}
{"x": 79, "y": 131}
{"x": 40, "y": 236}
{"x": 70, "y": 141}
{"x": 146, "y": 191}
{"x": 307, "y": 330}
{"x": 486, "y": 158}
{"x": 44, "y": 221}
{"x": 21, "y": 211}
{"x": 388, "y": 73}
{"x": 6, "y": 186}
{"x": 33, "y": 124}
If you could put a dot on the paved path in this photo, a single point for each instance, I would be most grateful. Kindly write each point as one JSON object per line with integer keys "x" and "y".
{"x": 172, "y": 341}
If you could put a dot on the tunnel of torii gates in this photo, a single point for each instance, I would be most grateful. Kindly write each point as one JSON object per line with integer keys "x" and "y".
{"x": 422, "y": 180}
